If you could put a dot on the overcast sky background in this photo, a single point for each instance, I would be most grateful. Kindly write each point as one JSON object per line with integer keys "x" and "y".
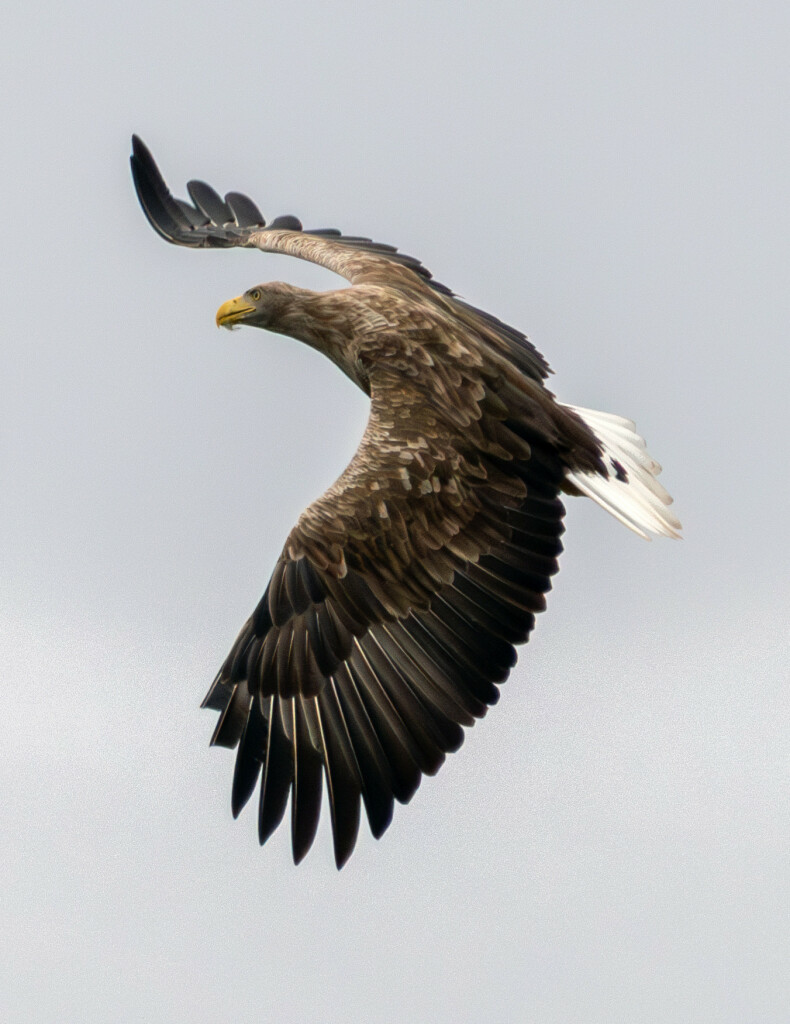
{"x": 611, "y": 843}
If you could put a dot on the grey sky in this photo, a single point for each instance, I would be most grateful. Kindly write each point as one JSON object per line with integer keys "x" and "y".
{"x": 611, "y": 843}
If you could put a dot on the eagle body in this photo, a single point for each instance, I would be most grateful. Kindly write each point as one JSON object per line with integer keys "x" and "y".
{"x": 395, "y": 608}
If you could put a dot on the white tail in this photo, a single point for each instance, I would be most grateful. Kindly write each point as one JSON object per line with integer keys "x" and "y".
{"x": 631, "y": 492}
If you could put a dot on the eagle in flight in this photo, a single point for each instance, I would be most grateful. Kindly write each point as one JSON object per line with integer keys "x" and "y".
{"x": 394, "y": 611}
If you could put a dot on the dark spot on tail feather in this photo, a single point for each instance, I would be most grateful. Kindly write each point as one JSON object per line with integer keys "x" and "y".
{"x": 619, "y": 470}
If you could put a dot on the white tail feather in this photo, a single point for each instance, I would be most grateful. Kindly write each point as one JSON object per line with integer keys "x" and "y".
{"x": 639, "y": 501}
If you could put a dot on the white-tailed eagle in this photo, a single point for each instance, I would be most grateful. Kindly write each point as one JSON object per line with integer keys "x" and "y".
{"x": 395, "y": 609}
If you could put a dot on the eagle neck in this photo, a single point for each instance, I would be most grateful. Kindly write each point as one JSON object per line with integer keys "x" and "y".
{"x": 326, "y": 321}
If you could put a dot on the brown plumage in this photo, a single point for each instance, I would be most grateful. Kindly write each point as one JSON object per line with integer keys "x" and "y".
{"x": 393, "y": 612}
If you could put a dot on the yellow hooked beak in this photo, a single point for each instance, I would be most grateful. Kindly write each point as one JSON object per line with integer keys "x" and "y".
{"x": 230, "y": 312}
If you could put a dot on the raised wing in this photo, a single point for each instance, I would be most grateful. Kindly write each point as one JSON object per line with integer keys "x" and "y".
{"x": 213, "y": 222}
{"x": 392, "y": 614}
{"x": 210, "y": 221}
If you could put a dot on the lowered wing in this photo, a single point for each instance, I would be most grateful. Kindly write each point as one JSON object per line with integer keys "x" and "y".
{"x": 391, "y": 616}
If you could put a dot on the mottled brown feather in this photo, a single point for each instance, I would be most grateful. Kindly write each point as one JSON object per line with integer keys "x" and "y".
{"x": 397, "y": 601}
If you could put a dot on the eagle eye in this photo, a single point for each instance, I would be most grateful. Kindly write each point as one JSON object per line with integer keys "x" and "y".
{"x": 255, "y": 294}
